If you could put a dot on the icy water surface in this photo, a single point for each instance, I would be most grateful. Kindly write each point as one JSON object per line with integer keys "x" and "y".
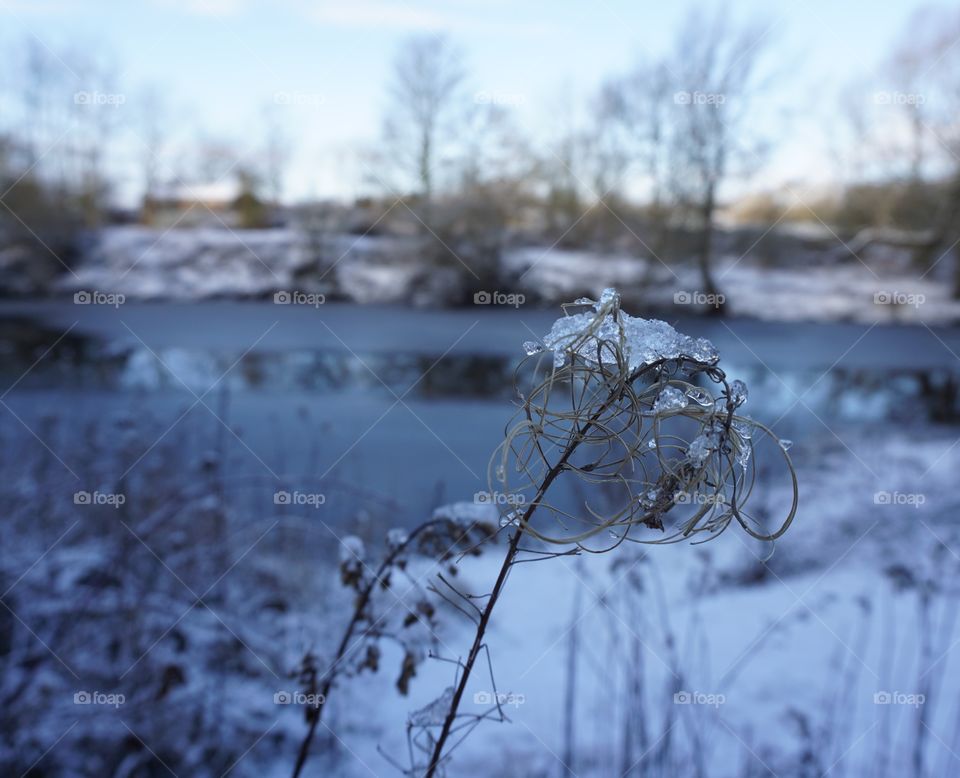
{"x": 404, "y": 404}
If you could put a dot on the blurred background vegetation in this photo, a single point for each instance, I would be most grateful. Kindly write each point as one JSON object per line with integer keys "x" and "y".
{"x": 667, "y": 161}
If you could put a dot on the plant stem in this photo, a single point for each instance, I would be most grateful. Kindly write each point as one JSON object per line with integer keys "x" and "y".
{"x": 358, "y": 612}
{"x": 508, "y": 559}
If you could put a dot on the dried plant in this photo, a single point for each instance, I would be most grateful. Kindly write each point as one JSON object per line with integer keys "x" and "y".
{"x": 441, "y": 539}
{"x": 620, "y": 405}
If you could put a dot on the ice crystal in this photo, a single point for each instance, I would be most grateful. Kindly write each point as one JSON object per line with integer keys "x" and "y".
{"x": 743, "y": 433}
{"x": 511, "y": 519}
{"x": 700, "y": 396}
{"x": 702, "y": 446}
{"x": 606, "y": 332}
{"x": 670, "y": 399}
{"x": 738, "y": 393}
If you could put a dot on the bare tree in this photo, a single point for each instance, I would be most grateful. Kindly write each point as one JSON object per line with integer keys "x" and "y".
{"x": 606, "y": 161}
{"x": 930, "y": 63}
{"x": 564, "y": 170}
{"x": 851, "y": 139}
{"x": 97, "y": 113}
{"x": 715, "y": 69}
{"x": 42, "y": 86}
{"x": 643, "y": 101}
{"x": 922, "y": 69}
{"x": 152, "y": 118}
{"x": 276, "y": 155}
{"x": 428, "y": 74}
{"x": 212, "y": 160}
{"x": 635, "y": 109}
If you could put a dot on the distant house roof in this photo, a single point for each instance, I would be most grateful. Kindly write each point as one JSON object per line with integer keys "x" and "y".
{"x": 218, "y": 192}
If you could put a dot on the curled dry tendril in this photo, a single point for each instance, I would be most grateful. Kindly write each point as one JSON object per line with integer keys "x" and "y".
{"x": 678, "y": 458}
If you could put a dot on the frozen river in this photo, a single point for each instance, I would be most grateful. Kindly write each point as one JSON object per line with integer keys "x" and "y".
{"x": 403, "y": 404}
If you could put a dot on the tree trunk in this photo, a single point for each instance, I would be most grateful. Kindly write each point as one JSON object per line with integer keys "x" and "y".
{"x": 426, "y": 182}
{"x": 945, "y": 233}
{"x": 705, "y": 253}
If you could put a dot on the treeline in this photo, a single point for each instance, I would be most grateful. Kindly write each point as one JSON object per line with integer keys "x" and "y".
{"x": 662, "y": 143}
{"x": 646, "y": 165}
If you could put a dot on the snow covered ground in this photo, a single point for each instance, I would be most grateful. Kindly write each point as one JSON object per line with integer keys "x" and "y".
{"x": 196, "y": 264}
{"x": 863, "y": 291}
{"x": 198, "y": 595}
{"x": 878, "y": 285}
{"x": 814, "y": 661}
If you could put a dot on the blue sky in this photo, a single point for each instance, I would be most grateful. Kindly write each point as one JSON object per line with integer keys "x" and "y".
{"x": 219, "y": 63}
